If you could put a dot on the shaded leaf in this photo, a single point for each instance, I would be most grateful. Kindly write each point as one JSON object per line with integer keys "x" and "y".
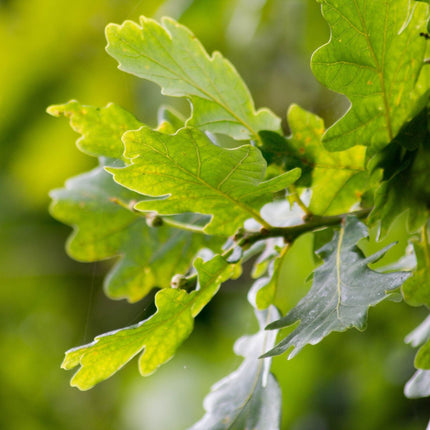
{"x": 171, "y": 56}
{"x": 198, "y": 176}
{"x": 422, "y": 359}
{"x": 149, "y": 257}
{"x": 250, "y": 397}
{"x": 101, "y": 128}
{"x": 343, "y": 289}
{"x": 416, "y": 289}
{"x": 159, "y": 336}
{"x": 375, "y": 65}
{"x": 171, "y": 116}
{"x": 406, "y": 184}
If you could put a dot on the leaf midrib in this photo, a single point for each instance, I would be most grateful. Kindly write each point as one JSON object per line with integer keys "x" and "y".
{"x": 243, "y": 405}
{"x": 216, "y": 190}
{"x": 379, "y": 67}
{"x": 189, "y": 81}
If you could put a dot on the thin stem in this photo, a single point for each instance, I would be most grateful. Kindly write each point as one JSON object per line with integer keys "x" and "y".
{"x": 246, "y": 239}
{"x": 163, "y": 220}
{"x": 299, "y": 201}
{"x": 182, "y": 226}
{"x": 291, "y": 233}
{"x": 189, "y": 283}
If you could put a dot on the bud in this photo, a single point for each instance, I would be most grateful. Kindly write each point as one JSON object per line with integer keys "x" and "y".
{"x": 154, "y": 220}
{"x": 178, "y": 281}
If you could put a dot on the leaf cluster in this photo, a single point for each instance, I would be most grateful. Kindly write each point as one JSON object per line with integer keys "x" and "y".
{"x": 182, "y": 212}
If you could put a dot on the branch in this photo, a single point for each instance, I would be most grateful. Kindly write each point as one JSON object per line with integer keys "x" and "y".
{"x": 245, "y": 239}
{"x": 292, "y": 233}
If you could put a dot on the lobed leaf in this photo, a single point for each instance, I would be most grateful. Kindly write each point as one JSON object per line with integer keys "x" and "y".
{"x": 159, "y": 336}
{"x": 250, "y": 397}
{"x": 337, "y": 179}
{"x": 101, "y": 128}
{"x": 375, "y": 64}
{"x": 149, "y": 257}
{"x": 194, "y": 175}
{"x": 406, "y": 181}
{"x": 171, "y": 56}
{"x": 343, "y": 288}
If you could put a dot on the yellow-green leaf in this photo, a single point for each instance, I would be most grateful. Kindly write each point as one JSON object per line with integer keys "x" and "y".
{"x": 158, "y": 336}
{"x": 194, "y": 175}
{"x": 171, "y": 56}
{"x": 376, "y": 62}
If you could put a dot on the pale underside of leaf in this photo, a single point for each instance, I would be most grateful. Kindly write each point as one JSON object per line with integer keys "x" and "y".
{"x": 419, "y": 385}
{"x": 342, "y": 291}
{"x": 375, "y": 65}
{"x": 250, "y": 397}
{"x": 171, "y": 56}
{"x": 194, "y": 175}
{"x": 149, "y": 257}
{"x": 159, "y": 336}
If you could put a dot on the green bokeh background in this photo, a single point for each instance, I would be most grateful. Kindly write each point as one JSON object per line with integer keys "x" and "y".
{"x": 53, "y": 51}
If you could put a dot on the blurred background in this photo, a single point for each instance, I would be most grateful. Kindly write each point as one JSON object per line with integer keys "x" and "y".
{"x": 53, "y": 51}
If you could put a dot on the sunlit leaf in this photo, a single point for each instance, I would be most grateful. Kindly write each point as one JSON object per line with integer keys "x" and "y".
{"x": 337, "y": 179}
{"x": 171, "y": 56}
{"x": 101, "y": 128}
{"x": 198, "y": 176}
{"x": 343, "y": 289}
{"x": 149, "y": 257}
{"x": 375, "y": 65}
{"x": 250, "y": 397}
{"x": 158, "y": 336}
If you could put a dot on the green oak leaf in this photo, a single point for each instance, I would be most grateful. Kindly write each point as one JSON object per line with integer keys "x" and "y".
{"x": 416, "y": 289}
{"x": 101, "y": 128}
{"x": 375, "y": 65}
{"x": 159, "y": 336}
{"x": 149, "y": 257}
{"x": 428, "y": 21}
{"x": 171, "y": 56}
{"x": 198, "y": 176}
{"x": 343, "y": 288}
{"x": 406, "y": 178}
{"x": 421, "y": 337}
{"x": 337, "y": 179}
{"x": 250, "y": 397}
{"x": 422, "y": 359}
